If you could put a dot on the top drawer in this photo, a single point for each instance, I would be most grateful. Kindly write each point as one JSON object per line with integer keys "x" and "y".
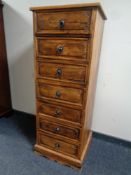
{"x": 74, "y": 22}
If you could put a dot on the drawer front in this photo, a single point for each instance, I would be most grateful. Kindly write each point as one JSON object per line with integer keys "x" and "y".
{"x": 63, "y": 22}
{"x": 62, "y": 72}
{"x": 59, "y": 129}
{"x": 60, "y": 112}
{"x": 71, "y": 48}
{"x": 57, "y": 145}
{"x": 60, "y": 93}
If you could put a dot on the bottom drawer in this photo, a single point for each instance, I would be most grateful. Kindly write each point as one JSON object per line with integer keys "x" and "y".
{"x": 57, "y": 145}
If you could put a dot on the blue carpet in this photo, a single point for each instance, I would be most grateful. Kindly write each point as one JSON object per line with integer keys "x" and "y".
{"x": 17, "y": 137}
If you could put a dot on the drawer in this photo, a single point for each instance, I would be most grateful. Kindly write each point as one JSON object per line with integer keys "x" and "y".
{"x": 68, "y": 72}
{"x": 63, "y": 22}
{"x": 57, "y": 145}
{"x": 60, "y": 112}
{"x": 59, "y": 129}
{"x": 62, "y": 48}
{"x": 61, "y": 93}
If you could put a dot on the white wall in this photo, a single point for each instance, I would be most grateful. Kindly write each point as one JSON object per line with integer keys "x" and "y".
{"x": 112, "y": 109}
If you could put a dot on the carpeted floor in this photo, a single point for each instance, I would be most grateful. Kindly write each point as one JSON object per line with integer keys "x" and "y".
{"x": 17, "y": 137}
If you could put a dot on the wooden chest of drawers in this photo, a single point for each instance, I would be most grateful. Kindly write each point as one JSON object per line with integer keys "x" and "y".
{"x": 67, "y": 48}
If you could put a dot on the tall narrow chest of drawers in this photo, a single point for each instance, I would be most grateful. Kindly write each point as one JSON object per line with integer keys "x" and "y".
{"x": 67, "y": 48}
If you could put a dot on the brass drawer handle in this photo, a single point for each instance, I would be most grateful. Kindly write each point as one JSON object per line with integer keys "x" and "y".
{"x": 59, "y": 49}
{"x": 57, "y": 145}
{"x": 57, "y": 113}
{"x": 58, "y": 94}
{"x": 61, "y": 24}
{"x": 58, "y": 72}
{"x": 57, "y": 129}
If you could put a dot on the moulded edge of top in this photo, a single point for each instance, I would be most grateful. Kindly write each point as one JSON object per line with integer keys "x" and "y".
{"x": 71, "y": 6}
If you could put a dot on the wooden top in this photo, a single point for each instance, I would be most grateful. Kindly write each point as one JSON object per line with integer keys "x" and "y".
{"x": 71, "y": 6}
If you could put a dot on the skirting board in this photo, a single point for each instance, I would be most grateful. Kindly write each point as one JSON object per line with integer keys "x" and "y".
{"x": 95, "y": 134}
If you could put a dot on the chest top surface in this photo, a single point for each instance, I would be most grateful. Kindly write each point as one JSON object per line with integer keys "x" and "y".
{"x": 83, "y": 6}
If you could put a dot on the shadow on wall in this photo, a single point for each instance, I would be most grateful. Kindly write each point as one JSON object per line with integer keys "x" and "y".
{"x": 19, "y": 41}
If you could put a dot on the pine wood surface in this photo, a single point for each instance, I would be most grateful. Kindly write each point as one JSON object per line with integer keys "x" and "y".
{"x": 67, "y": 50}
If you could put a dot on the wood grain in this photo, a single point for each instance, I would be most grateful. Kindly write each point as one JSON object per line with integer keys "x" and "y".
{"x": 60, "y": 93}
{"x": 66, "y": 64}
{"x": 86, "y": 6}
{"x": 73, "y": 133}
{"x": 61, "y": 157}
{"x": 95, "y": 55}
{"x": 72, "y": 48}
{"x": 67, "y": 72}
{"x": 50, "y": 22}
{"x": 60, "y": 112}
{"x": 58, "y": 145}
